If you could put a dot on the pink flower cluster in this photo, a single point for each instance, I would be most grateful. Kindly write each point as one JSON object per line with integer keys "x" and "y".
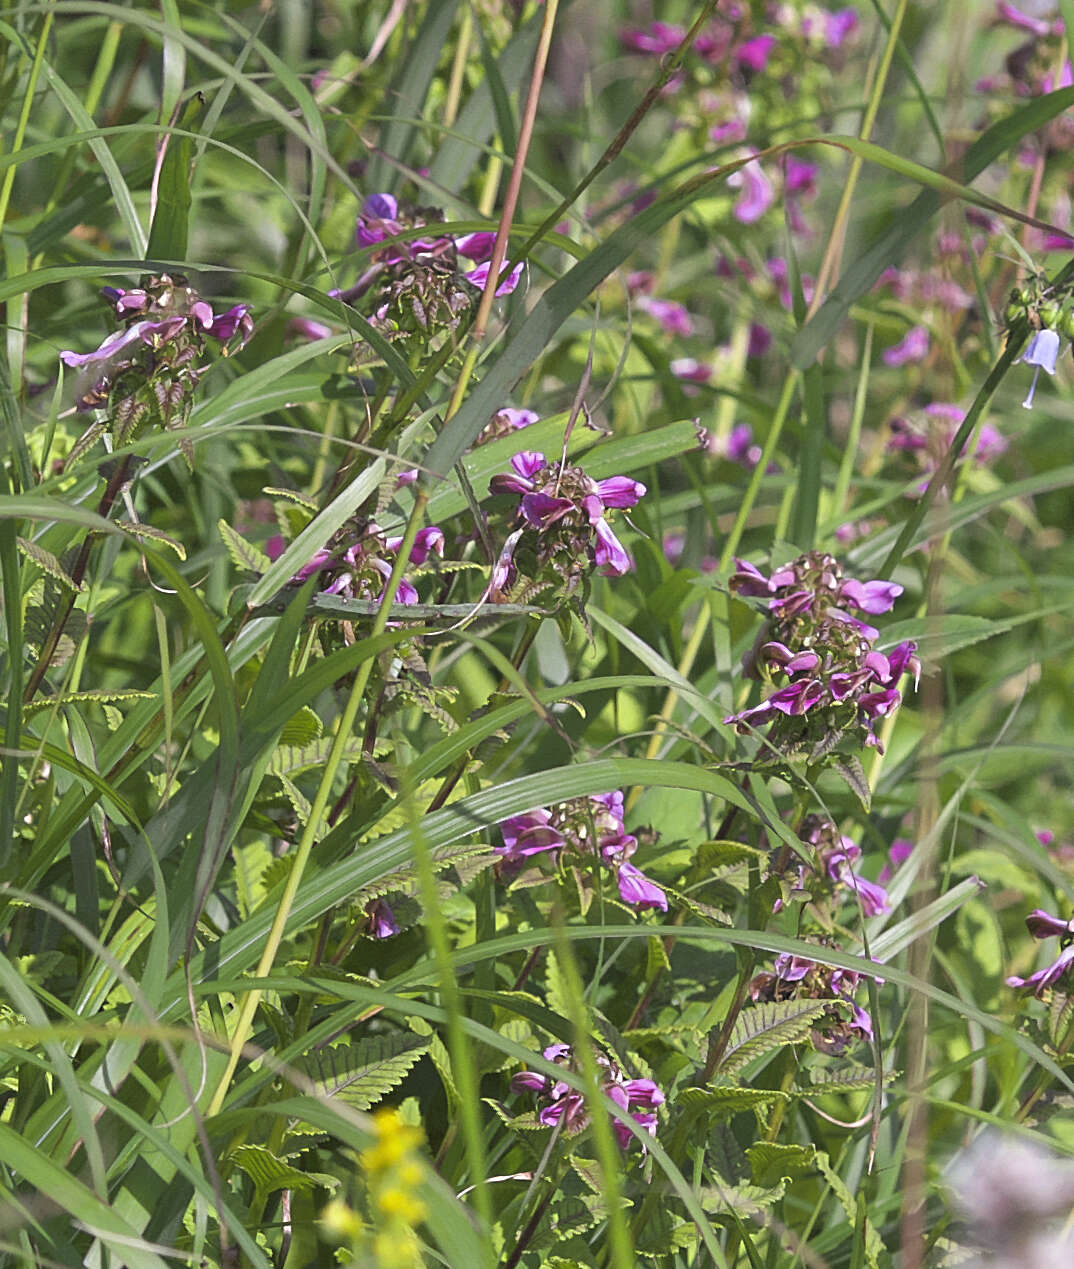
{"x": 169, "y": 326}
{"x": 381, "y": 222}
{"x": 824, "y": 652}
{"x": 361, "y": 571}
{"x": 832, "y": 865}
{"x": 586, "y": 826}
{"x": 564, "y": 1105}
{"x": 796, "y": 977}
{"x": 563, "y": 514}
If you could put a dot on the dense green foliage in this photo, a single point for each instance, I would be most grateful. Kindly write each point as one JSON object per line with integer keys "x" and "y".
{"x": 550, "y": 764}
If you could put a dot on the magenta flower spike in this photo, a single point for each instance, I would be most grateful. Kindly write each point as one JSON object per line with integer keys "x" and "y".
{"x": 1042, "y": 352}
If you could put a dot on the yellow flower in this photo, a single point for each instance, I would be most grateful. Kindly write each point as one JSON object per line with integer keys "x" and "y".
{"x": 340, "y": 1221}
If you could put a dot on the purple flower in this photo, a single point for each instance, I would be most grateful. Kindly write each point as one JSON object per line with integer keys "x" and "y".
{"x": 636, "y": 888}
{"x": 871, "y": 597}
{"x": 529, "y": 834}
{"x": 476, "y": 246}
{"x": 428, "y": 540}
{"x": 382, "y": 922}
{"x": 659, "y": 38}
{"x": 728, "y": 132}
{"x": 526, "y": 464}
{"x": 757, "y": 192}
{"x": 503, "y": 570}
{"x": 753, "y": 55}
{"x": 1066, "y": 79}
{"x": 904, "y": 661}
{"x": 307, "y": 328}
{"x": 671, "y": 315}
{"x": 569, "y": 1109}
{"x": 1041, "y": 352}
{"x": 543, "y": 509}
{"x": 1048, "y": 976}
{"x": 479, "y": 277}
{"x": 611, "y": 556}
{"x": 792, "y": 969}
{"x": 690, "y": 369}
{"x": 378, "y": 220}
{"x": 620, "y": 491}
{"x": 638, "y": 1098}
{"x": 799, "y": 176}
{"x": 915, "y": 347}
{"x": 115, "y": 354}
{"x": 1043, "y": 925}
{"x": 517, "y": 419}
{"x": 1015, "y": 17}
{"x": 874, "y": 898}
{"x": 529, "y": 1081}
{"x": 224, "y": 325}
{"x": 840, "y": 26}
{"x": 760, "y": 341}
{"x": 790, "y": 662}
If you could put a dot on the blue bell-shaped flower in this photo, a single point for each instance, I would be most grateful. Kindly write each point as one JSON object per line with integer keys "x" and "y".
{"x": 1041, "y": 352}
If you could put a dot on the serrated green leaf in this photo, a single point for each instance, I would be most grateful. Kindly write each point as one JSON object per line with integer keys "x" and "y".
{"x": 243, "y": 554}
{"x": 519, "y": 1123}
{"x": 762, "y": 1028}
{"x": 852, "y": 771}
{"x": 873, "y": 1244}
{"x": 853, "y": 1079}
{"x": 773, "y": 1162}
{"x": 48, "y": 563}
{"x": 291, "y": 495}
{"x": 720, "y": 854}
{"x": 151, "y": 534}
{"x": 724, "y": 1101}
{"x": 743, "y": 1199}
{"x": 362, "y": 1074}
{"x": 290, "y": 760}
{"x": 301, "y": 729}
{"x": 97, "y": 697}
{"x": 269, "y": 1173}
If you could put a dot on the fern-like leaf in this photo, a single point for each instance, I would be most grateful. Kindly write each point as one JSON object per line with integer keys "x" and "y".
{"x": 873, "y": 1244}
{"x": 362, "y": 1074}
{"x": 774, "y": 1161}
{"x": 269, "y": 1173}
{"x": 101, "y": 697}
{"x": 48, "y": 563}
{"x": 762, "y": 1028}
{"x": 150, "y": 534}
{"x": 243, "y": 554}
{"x": 724, "y": 1101}
{"x": 291, "y": 496}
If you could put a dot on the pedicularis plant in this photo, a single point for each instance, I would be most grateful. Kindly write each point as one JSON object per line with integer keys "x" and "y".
{"x": 536, "y": 673}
